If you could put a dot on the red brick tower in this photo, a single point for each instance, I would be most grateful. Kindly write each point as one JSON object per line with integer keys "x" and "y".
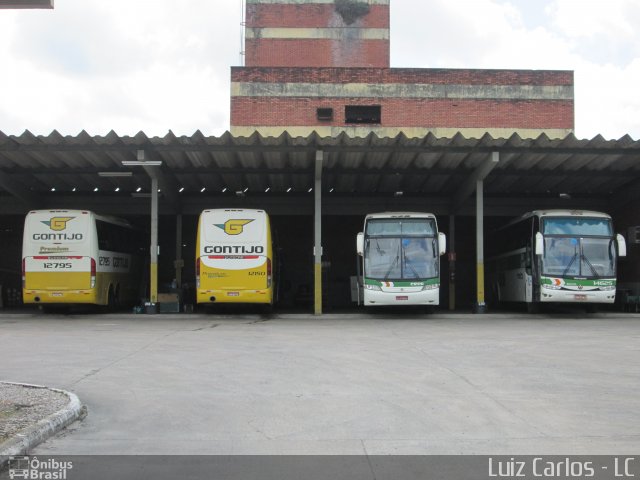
{"x": 315, "y": 33}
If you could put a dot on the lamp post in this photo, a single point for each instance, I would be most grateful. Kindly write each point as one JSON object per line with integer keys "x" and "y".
{"x": 150, "y": 166}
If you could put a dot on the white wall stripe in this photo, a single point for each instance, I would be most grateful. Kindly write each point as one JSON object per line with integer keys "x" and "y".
{"x": 400, "y": 90}
{"x": 342, "y": 33}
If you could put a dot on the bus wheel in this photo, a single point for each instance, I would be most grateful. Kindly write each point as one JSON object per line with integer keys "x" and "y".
{"x": 111, "y": 300}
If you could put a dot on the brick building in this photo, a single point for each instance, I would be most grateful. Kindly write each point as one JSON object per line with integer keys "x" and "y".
{"x": 323, "y": 66}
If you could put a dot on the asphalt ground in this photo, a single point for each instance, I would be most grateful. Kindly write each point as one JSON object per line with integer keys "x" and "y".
{"x": 390, "y": 383}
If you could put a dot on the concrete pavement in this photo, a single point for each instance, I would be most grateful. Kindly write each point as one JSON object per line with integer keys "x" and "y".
{"x": 341, "y": 384}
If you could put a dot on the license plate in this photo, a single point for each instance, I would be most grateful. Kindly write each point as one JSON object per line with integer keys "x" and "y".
{"x": 56, "y": 294}
{"x": 580, "y": 297}
{"x": 403, "y": 297}
{"x": 233, "y": 294}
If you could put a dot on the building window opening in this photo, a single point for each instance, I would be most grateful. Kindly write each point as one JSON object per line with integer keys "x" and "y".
{"x": 363, "y": 114}
{"x": 324, "y": 114}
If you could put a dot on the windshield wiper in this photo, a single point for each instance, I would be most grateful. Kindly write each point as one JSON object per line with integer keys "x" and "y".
{"x": 573, "y": 259}
{"x": 593, "y": 269}
{"x": 408, "y": 264}
{"x": 397, "y": 259}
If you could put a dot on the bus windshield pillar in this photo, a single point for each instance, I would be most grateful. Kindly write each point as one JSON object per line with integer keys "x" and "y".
{"x": 480, "y": 306}
{"x": 317, "y": 230}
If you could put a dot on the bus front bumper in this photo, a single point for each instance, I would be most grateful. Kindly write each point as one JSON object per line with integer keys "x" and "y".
{"x": 381, "y": 298}
{"x": 577, "y": 296}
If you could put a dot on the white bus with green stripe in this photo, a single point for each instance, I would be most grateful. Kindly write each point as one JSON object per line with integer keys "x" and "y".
{"x": 399, "y": 259}
{"x": 555, "y": 256}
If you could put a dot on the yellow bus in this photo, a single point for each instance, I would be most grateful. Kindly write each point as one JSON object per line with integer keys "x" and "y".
{"x": 234, "y": 257}
{"x": 78, "y": 257}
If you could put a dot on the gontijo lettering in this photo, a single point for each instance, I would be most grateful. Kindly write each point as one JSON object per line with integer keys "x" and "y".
{"x": 58, "y": 236}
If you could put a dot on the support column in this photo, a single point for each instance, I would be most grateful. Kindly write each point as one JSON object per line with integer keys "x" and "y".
{"x": 452, "y": 262}
{"x": 480, "y": 306}
{"x": 153, "y": 273}
{"x": 179, "y": 263}
{"x": 317, "y": 233}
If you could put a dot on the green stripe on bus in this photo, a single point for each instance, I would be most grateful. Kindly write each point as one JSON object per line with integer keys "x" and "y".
{"x": 573, "y": 282}
{"x": 403, "y": 283}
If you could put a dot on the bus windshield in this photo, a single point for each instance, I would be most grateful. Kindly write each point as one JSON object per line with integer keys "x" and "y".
{"x": 401, "y": 249}
{"x": 583, "y": 257}
{"x": 578, "y": 246}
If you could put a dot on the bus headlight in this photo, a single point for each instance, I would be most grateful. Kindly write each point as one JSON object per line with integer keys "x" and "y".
{"x": 373, "y": 287}
{"x": 551, "y": 287}
{"x": 608, "y": 289}
{"x": 430, "y": 287}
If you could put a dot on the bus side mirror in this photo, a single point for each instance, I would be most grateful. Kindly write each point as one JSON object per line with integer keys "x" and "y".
{"x": 622, "y": 246}
{"x": 539, "y": 244}
{"x": 442, "y": 243}
{"x": 360, "y": 243}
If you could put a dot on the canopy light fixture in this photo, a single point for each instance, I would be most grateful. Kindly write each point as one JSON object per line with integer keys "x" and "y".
{"x": 53, "y": 189}
{"x": 267, "y": 190}
{"x": 331, "y": 190}
{"x": 73, "y": 189}
{"x": 240, "y": 193}
{"x": 203, "y": 189}
{"x": 115, "y": 174}
{"x": 181, "y": 190}
{"x": 141, "y": 163}
{"x": 117, "y": 189}
{"x": 288, "y": 189}
{"x": 398, "y": 194}
{"x": 96, "y": 189}
{"x": 310, "y": 190}
{"x": 246, "y": 190}
{"x": 138, "y": 189}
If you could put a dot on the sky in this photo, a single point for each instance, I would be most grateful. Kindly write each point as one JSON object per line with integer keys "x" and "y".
{"x": 160, "y": 65}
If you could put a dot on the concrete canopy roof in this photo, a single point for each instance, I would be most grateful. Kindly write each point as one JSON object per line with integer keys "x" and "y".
{"x": 58, "y": 171}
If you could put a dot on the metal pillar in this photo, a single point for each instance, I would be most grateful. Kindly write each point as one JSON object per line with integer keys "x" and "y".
{"x": 153, "y": 274}
{"x": 179, "y": 263}
{"x": 452, "y": 262}
{"x": 317, "y": 232}
{"x": 480, "y": 306}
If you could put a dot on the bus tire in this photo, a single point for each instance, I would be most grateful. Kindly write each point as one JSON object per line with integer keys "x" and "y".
{"x": 267, "y": 309}
{"x": 111, "y": 300}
